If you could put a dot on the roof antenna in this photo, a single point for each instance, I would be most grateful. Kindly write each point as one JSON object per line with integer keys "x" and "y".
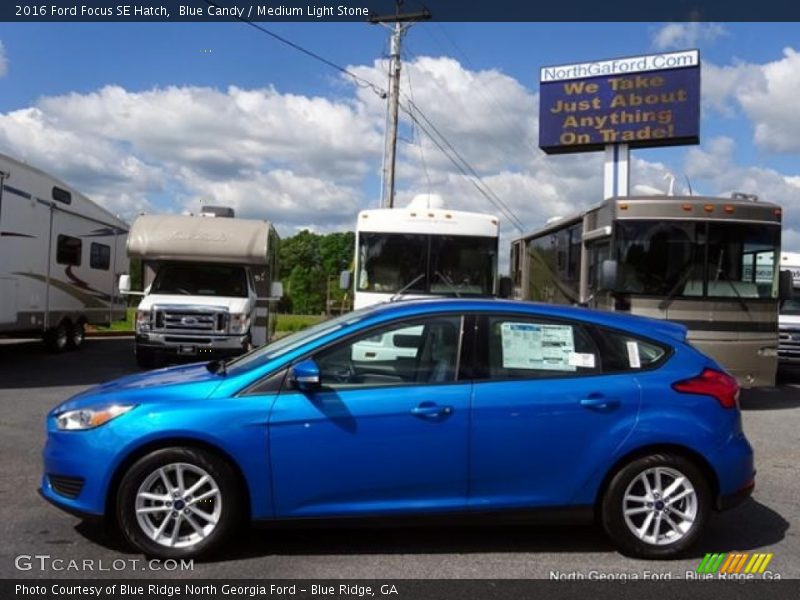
{"x": 689, "y": 183}
{"x": 669, "y": 176}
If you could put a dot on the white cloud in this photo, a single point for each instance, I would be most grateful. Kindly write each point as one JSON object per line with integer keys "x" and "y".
{"x": 686, "y": 35}
{"x": 3, "y": 60}
{"x": 273, "y": 155}
{"x": 766, "y": 93}
{"x": 312, "y": 161}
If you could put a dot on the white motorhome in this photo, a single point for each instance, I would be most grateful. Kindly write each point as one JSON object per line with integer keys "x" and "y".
{"x": 789, "y": 316}
{"x": 208, "y": 285}
{"x": 60, "y": 256}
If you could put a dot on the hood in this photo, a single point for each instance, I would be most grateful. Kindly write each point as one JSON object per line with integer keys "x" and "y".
{"x": 233, "y": 304}
{"x": 184, "y": 382}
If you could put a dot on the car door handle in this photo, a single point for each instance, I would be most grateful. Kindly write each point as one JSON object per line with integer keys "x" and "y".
{"x": 429, "y": 410}
{"x": 600, "y": 402}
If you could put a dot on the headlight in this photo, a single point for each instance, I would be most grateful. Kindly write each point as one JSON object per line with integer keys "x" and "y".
{"x": 240, "y": 323}
{"x": 89, "y": 418}
{"x": 142, "y": 320}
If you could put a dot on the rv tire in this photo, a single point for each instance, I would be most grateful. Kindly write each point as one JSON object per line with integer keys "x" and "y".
{"x": 77, "y": 335}
{"x": 57, "y": 338}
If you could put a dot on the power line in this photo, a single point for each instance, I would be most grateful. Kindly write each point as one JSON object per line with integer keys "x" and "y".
{"x": 470, "y": 171}
{"x": 360, "y": 81}
{"x": 446, "y": 148}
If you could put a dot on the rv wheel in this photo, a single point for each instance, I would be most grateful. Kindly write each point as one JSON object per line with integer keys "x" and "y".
{"x": 57, "y": 338}
{"x": 77, "y": 335}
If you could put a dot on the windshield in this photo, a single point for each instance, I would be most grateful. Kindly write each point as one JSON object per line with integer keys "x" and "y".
{"x": 441, "y": 264}
{"x": 791, "y": 307}
{"x": 290, "y": 342}
{"x": 697, "y": 259}
{"x": 201, "y": 280}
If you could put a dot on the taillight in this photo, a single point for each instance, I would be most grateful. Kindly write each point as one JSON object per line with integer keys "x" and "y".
{"x": 712, "y": 383}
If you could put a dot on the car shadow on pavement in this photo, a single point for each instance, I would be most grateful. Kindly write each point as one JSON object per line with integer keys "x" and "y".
{"x": 27, "y": 364}
{"x": 748, "y": 527}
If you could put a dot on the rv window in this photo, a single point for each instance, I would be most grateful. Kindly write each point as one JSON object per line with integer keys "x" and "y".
{"x": 99, "y": 256}
{"x": 62, "y": 195}
{"x": 68, "y": 250}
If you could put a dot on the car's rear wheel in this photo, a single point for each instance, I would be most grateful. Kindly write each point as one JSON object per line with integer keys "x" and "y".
{"x": 178, "y": 503}
{"x": 656, "y": 506}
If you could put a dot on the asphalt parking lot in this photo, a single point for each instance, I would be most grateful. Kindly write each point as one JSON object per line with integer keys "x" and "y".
{"x": 32, "y": 382}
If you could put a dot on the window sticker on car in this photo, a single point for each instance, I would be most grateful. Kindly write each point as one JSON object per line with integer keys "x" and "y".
{"x": 581, "y": 359}
{"x": 531, "y": 346}
{"x": 633, "y": 354}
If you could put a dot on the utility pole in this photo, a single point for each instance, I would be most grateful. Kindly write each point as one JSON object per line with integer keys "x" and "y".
{"x": 402, "y": 21}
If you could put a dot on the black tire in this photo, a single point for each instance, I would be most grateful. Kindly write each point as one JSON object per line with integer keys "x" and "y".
{"x": 613, "y": 506}
{"x": 77, "y": 335}
{"x": 214, "y": 466}
{"x": 146, "y": 359}
{"x": 56, "y": 338}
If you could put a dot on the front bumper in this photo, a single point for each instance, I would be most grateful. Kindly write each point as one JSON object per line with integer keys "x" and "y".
{"x": 79, "y": 456}
{"x": 789, "y": 346}
{"x": 196, "y": 345}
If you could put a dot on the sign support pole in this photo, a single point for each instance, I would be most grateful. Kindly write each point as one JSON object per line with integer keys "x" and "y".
{"x": 616, "y": 171}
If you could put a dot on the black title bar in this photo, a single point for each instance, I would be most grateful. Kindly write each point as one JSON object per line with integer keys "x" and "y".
{"x": 362, "y": 10}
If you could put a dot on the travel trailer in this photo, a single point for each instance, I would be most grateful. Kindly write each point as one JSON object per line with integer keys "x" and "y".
{"x": 61, "y": 256}
{"x": 208, "y": 280}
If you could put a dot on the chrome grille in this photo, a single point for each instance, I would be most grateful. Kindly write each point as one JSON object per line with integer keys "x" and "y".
{"x": 190, "y": 320}
{"x": 789, "y": 344}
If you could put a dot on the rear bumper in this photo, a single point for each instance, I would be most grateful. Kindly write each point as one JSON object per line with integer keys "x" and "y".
{"x": 735, "y": 499}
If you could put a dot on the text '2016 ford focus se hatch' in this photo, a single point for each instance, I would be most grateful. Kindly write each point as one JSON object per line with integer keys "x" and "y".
{"x": 433, "y": 408}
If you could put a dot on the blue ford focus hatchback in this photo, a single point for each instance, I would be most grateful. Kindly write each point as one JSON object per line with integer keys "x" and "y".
{"x": 414, "y": 408}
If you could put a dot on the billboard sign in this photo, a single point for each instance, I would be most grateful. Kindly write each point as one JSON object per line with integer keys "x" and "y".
{"x": 642, "y": 101}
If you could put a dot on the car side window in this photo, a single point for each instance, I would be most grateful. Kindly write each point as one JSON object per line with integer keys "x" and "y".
{"x": 407, "y": 353}
{"x": 531, "y": 348}
{"x": 623, "y": 352}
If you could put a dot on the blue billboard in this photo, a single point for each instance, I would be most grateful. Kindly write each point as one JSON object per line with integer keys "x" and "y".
{"x": 642, "y": 101}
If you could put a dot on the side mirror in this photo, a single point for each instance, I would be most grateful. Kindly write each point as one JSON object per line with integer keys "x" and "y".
{"x": 785, "y": 286}
{"x": 608, "y": 276}
{"x": 276, "y": 290}
{"x": 506, "y": 287}
{"x": 124, "y": 284}
{"x": 305, "y": 375}
{"x": 345, "y": 280}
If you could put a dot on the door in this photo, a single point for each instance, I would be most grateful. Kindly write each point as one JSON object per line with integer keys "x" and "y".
{"x": 385, "y": 433}
{"x": 545, "y": 415}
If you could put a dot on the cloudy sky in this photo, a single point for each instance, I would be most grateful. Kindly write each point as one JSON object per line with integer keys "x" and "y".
{"x": 163, "y": 117}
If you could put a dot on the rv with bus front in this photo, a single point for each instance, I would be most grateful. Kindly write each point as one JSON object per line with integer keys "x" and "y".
{"x": 708, "y": 263}
{"x": 60, "y": 256}
{"x": 424, "y": 250}
{"x": 789, "y": 317}
{"x": 209, "y": 281}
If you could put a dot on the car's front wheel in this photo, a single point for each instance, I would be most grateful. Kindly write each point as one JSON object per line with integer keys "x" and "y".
{"x": 656, "y": 506}
{"x": 178, "y": 503}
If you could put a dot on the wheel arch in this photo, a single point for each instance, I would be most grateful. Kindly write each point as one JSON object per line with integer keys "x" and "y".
{"x": 695, "y": 457}
{"x": 173, "y": 442}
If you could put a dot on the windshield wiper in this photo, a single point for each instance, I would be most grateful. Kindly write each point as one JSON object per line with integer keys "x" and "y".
{"x": 403, "y": 289}
{"x": 665, "y": 303}
{"x": 448, "y": 282}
